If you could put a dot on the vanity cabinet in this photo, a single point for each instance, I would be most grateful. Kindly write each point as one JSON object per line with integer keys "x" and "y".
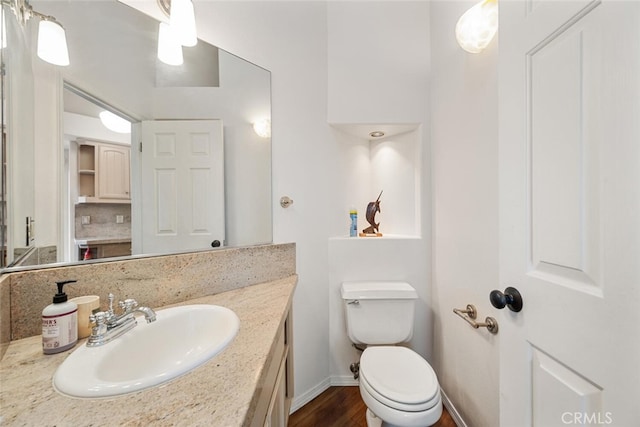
{"x": 103, "y": 172}
{"x": 274, "y": 402}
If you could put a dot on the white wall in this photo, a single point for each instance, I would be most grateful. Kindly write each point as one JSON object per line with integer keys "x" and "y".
{"x": 464, "y": 140}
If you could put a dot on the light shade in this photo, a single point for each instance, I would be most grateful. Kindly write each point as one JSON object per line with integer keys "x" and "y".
{"x": 183, "y": 21}
{"x": 169, "y": 48}
{"x": 115, "y": 123}
{"x": 52, "y": 43}
{"x": 4, "y": 28}
{"x": 262, "y": 128}
{"x": 477, "y": 26}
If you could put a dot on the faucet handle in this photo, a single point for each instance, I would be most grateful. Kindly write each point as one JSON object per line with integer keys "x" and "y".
{"x": 111, "y": 299}
{"x": 128, "y": 304}
{"x": 98, "y": 318}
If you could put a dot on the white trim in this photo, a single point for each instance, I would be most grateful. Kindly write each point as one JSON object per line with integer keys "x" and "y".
{"x": 299, "y": 401}
{"x": 455, "y": 415}
{"x": 344, "y": 380}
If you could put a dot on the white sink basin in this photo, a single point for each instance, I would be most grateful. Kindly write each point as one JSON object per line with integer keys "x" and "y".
{"x": 181, "y": 339}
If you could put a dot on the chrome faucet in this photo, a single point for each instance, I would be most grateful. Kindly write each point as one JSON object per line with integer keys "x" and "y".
{"x": 107, "y": 325}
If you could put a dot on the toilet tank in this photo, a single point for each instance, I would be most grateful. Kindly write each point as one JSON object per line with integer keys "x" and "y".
{"x": 379, "y": 312}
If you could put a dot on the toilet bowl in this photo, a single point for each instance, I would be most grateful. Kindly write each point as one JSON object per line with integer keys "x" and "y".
{"x": 399, "y": 388}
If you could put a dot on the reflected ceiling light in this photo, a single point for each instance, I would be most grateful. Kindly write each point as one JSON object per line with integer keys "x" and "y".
{"x": 114, "y": 122}
{"x": 182, "y": 20}
{"x": 263, "y": 128}
{"x": 477, "y": 26}
{"x": 169, "y": 49}
{"x": 4, "y": 28}
{"x": 52, "y": 40}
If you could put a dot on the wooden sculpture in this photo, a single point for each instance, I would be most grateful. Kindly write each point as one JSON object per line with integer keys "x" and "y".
{"x": 372, "y": 209}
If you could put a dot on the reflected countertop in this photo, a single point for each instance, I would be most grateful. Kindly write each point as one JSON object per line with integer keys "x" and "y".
{"x": 102, "y": 241}
{"x": 224, "y": 391}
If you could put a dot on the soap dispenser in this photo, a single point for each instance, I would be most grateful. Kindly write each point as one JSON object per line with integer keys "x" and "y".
{"x": 59, "y": 323}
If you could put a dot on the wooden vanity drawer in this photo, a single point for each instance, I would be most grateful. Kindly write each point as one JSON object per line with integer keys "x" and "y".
{"x": 273, "y": 403}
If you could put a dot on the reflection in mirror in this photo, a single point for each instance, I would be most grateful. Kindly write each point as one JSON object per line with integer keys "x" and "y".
{"x": 72, "y": 185}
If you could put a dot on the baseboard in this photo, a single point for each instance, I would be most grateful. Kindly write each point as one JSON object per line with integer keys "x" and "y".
{"x": 343, "y": 380}
{"x": 455, "y": 415}
{"x": 299, "y": 401}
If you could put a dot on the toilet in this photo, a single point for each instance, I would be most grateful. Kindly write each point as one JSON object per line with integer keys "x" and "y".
{"x": 398, "y": 386}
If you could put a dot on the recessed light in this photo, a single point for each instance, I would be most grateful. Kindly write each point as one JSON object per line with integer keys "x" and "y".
{"x": 376, "y": 134}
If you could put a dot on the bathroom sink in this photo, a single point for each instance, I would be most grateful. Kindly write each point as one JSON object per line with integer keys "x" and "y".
{"x": 181, "y": 339}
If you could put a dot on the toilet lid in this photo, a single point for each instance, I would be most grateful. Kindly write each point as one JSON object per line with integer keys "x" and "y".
{"x": 399, "y": 375}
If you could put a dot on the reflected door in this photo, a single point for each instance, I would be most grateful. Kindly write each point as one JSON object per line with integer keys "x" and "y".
{"x": 182, "y": 176}
{"x": 569, "y": 204}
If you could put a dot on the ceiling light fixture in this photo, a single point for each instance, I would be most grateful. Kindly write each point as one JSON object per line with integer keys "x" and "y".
{"x": 114, "y": 122}
{"x": 376, "y": 134}
{"x": 52, "y": 40}
{"x": 477, "y": 26}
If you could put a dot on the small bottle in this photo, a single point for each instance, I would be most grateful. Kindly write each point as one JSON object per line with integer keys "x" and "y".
{"x": 353, "y": 229}
{"x": 59, "y": 323}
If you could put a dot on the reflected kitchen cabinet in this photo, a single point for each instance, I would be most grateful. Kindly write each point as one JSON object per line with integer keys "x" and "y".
{"x": 103, "y": 172}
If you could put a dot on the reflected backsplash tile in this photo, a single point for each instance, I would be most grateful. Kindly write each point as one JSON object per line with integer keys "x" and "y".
{"x": 102, "y": 220}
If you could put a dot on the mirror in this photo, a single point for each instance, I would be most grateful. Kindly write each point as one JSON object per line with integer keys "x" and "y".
{"x": 46, "y": 115}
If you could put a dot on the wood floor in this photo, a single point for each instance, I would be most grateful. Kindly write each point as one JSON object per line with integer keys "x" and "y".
{"x": 342, "y": 407}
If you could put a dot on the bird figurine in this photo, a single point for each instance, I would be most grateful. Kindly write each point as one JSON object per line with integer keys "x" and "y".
{"x": 372, "y": 209}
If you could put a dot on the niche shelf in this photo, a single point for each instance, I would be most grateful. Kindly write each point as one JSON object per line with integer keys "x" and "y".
{"x": 367, "y": 165}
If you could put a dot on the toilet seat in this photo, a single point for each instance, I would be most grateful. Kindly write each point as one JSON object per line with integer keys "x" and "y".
{"x": 399, "y": 378}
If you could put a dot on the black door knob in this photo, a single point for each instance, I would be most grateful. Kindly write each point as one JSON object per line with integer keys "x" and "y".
{"x": 215, "y": 244}
{"x": 510, "y": 298}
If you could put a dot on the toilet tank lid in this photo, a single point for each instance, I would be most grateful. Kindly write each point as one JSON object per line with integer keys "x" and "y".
{"x": 377, "y": 290}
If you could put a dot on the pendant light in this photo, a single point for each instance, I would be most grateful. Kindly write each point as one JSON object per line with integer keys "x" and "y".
{"x": 182, "y": 20}
{"x": 52, "y": 42}
{"x": 180, "y": 31}
{"x": 169, "y": 48}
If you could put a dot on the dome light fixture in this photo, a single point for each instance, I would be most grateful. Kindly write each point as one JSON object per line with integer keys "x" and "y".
{"x": 114, "y": 122}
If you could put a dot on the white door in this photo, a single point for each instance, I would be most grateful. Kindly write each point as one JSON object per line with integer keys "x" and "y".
{"x": 570, "y": 212}
{"x": 182, "y": 176}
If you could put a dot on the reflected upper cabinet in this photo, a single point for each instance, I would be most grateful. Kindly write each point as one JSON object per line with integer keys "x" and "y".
{"x": 103, "y": 172}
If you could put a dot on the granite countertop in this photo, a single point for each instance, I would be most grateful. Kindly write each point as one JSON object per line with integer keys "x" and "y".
{"x": 222, "y": 392}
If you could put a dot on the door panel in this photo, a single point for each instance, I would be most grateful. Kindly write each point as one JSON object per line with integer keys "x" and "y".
{"x": 569, "y": 212}
{"x": 182, "y": 174}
